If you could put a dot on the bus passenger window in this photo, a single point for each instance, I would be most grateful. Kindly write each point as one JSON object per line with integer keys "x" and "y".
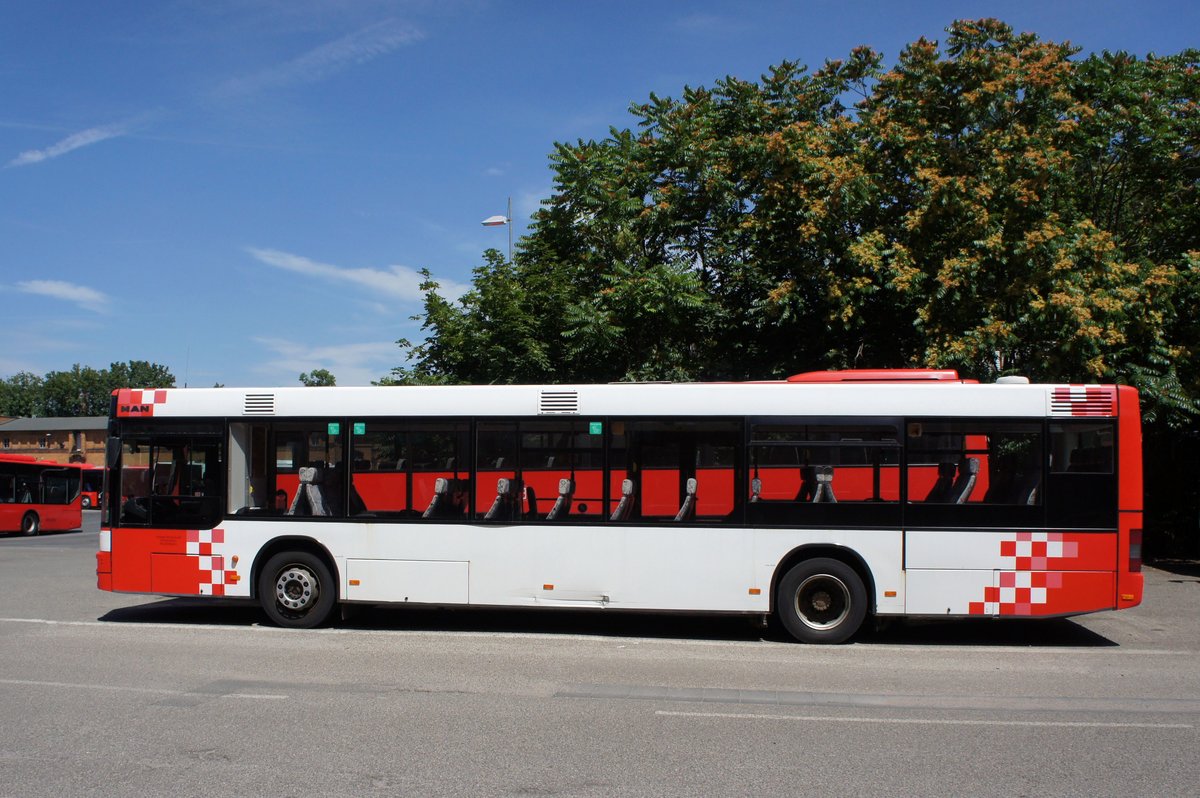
{"x": 562, "y": 470}
{"x": 677, "y": 471}
{"x": 438, "y": 469}
{"x": 818, "y": 472}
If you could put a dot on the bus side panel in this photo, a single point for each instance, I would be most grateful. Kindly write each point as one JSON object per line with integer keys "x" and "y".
{"x": 51, "y": 517}
{"x": 880, "y": 550}
{"x": 1009, "y": 573}
{"x": 174, "y": 562}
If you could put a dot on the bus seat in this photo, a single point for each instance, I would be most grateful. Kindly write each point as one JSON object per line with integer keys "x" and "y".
{"x": 625, "y": 506}
{"x": 531, "y": 502}
{"x": 309, "y": 498}
{"x": 687, "y": 510}
{"x": 960, "y": 491}
{"x": 945, "y": 482}
{"x": 562, "y": 505}
{"x": 825, "y": 485}
{"x": 506, "y": 505}
{"x": 441, "y": 490}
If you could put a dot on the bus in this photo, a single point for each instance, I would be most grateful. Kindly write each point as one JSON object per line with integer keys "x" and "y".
{"x": 823, "y": 499}
{"x": 38, "y": 495}
{"x": 93, "y": 485}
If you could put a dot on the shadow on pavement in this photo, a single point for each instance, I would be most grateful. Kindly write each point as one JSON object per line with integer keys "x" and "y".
{"x": 608, "y": 623}
{"x": 1188, "y": 568}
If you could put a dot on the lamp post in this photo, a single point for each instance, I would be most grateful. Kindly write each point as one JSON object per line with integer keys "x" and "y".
{"x": 497, "y": 221}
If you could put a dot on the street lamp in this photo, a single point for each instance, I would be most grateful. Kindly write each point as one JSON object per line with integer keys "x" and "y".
{"x": 498, "y": 221}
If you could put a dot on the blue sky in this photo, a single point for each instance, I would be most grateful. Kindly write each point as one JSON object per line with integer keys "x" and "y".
{"x": 243, "y": 191}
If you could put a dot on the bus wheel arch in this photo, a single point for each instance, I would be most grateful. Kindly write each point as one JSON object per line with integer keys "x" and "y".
{"x": 295, "y": 582}
{"x": 31, "y": 523}
{"x": 822, "y": 594}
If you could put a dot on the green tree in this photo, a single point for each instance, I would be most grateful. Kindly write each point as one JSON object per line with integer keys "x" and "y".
{"x": 991, "y": 203}
{"x": 317, "y": 378}
{"x": 82, "y": 391}
{"x": 21, "y": 395}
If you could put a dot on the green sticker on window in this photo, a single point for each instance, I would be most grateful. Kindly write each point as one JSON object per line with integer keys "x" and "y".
{"x": 335, "y": 428}
{"x": 360, "y": 428}
{"x": 596, "y": 428}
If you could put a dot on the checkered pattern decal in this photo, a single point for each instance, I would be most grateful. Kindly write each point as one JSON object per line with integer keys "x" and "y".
{"x": 205, "y": 546}
{"x": 139, "y": 403}
{"x": 1047, "y": 573}
{"x": 1083, "y": 400}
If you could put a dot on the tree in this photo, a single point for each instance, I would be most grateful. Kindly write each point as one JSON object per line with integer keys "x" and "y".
{"x": 317, "y": 378}
{"x": 82, "y": 391}
{"x": 991, "y": 203}
{"x": 21, "y": 395}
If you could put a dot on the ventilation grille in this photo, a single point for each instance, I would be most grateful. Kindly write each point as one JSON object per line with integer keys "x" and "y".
{"x": 1079, "y": 400}
{"x": 558, "y": 403}
{"x": 259, "y": 404}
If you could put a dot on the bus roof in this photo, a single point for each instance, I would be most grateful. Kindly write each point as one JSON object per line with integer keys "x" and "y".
{"x": 920, "y": 397}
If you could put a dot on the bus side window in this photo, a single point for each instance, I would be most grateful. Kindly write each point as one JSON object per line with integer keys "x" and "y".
{"x": 820, "y": 471}
{"x": 975, "y": 472}
{"x": 1082, "y": 480}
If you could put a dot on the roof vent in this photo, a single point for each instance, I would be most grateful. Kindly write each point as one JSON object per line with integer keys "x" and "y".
{"x": 1012, "y": 379}
{"x": 558, "y": 403}
{"x": 259, "y": 404}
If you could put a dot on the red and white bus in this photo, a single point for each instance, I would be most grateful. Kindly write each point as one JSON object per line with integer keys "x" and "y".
{"x": 822, "y": 499}
{"x": 93, "y": 485}
{"x": 38, "y": 495}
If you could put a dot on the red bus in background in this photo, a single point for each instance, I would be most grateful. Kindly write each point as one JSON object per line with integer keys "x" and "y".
{"x": 93, "y": 485}
{"x": 37, "y": 495}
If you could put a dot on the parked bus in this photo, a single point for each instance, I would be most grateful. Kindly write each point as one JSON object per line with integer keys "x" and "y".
{"x": 37, "y": 495}
{"x": 822, "y": 499}
{"x": 92, "y": 487}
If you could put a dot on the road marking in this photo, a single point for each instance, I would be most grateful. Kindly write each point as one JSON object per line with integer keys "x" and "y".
{"x": 923, "y": 721}
{"x": 116, "y": 688}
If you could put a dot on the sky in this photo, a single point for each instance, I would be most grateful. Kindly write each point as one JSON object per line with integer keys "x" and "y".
{"x": 244, "y": 191}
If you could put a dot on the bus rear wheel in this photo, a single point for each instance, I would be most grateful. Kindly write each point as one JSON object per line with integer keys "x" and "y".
{"x": 296, "y": 590}
{"x": 31, "y": 524}
{"x": 821, "y": 600}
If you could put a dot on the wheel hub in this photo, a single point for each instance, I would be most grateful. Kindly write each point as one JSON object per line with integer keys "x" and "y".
{"x": 297, "y": 588}
{"x": 822, "y": 601}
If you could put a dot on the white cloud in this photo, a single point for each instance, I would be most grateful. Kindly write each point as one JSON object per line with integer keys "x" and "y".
{"x": 328, "y": 59}
{"x": 81, "y": 295}
{"x": 397, "y": 281}
{"x": 351, "y": 364}
{"x": 73, "y": 142}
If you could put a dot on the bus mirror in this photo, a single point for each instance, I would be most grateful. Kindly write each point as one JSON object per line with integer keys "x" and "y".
{"x": 112, "y": 452}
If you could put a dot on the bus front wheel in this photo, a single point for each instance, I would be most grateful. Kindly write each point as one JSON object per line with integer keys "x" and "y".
{"x": 821, "y": 600}
{"x": 31, "y": 524}
{"x": 296, "y": 590}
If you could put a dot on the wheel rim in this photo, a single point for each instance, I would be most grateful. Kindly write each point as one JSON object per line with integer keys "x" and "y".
{"x": 822, "y": 601}
{"x": 297, "y": 589}
{"x": 29, "y": 524}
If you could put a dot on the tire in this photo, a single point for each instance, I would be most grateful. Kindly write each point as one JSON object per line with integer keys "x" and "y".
{"x": 821, "y": 600}
{"x": 31, "y": 524}
{"x": 296, "y": 590}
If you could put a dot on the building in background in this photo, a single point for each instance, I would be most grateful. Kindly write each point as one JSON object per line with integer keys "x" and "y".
{"x": 62, "y": 440}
